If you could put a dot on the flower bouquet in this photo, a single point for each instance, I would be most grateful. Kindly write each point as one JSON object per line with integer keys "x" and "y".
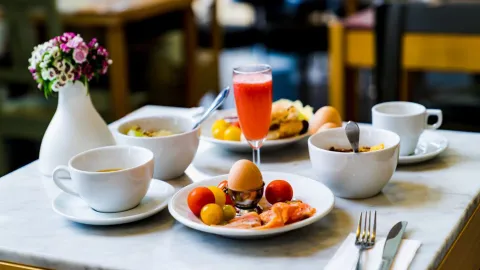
{"x": 67, "y": 58}
{"x": 65, "y": 64}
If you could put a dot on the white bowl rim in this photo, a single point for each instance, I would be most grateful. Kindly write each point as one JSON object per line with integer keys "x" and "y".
{"x": 150, "y": 153}
{"x": 117, "y": 130}
{"x": 395, "y": 135}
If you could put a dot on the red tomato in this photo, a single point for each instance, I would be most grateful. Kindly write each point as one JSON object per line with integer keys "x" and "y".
{"x": 237, "y": 124}
{"x": 223, "y": 185}
{"x": 278, "y": 191}
{"x": 228, "y": 200}
{"x": 198, "y": 198}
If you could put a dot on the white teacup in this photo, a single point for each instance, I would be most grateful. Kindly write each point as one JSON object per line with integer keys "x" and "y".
{"x": 407, "y": 119}
{"x": 118, "y": 190}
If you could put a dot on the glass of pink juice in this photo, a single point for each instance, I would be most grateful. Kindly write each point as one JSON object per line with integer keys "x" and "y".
{"x": 252, "y": 87}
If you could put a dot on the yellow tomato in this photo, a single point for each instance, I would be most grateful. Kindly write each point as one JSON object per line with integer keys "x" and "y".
{"x": 229, "y": 212}
{"x": 221, "y": 123}
{"x": 232, "y": 133}
{"x": 212, "y": 214}
{"x": 220, "y": 196}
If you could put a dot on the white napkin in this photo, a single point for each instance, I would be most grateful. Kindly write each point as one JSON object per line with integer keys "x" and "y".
{"x": 346, "y": 256}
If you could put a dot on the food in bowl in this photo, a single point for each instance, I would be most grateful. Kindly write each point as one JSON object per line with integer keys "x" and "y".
{"x": 289, "y": 119}
{"x": 361, "y": 149}
{"x": 352, "y": 176}
{"x": 215, "y": 206}
{"x": 180, "y": 147}
{"x": 137, "y": 131}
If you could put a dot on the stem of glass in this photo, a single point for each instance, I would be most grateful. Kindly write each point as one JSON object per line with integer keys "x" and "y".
{"x": 256, "y": 151}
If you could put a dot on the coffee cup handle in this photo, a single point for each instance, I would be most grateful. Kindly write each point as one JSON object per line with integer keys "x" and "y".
{"x": 438, "y": 114}
{"x": 58, "y": 181}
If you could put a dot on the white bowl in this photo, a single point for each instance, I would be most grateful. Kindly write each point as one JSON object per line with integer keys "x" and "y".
{"x": 172, "y": 153}
{"x": 350, "y": 175}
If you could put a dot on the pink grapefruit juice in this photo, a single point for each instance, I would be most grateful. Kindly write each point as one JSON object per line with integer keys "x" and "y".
{"x": 253, "y": 98}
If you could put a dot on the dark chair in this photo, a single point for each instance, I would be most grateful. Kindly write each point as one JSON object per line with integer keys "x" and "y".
{"x": 459, "y": 25}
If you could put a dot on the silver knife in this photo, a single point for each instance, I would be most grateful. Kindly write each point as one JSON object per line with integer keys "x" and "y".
{"x": 394, "y": 238}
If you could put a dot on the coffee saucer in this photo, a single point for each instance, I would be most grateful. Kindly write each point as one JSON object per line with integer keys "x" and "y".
{"x": 430, "y": 145}
{"x": 75, "y": 209}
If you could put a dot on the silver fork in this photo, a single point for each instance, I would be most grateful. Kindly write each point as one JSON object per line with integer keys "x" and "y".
{"x": 365, "y": 236}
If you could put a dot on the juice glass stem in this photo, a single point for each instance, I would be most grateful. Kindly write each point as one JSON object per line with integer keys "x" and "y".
{"x": 256, "y": 150}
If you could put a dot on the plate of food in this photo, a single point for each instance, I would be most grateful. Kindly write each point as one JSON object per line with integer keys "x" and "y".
{"x": 248, "y": 203}
{"x": 289, "y": 124}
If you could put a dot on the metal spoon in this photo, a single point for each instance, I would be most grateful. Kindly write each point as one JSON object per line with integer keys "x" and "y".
{"x": 353, "y": 134}
{"x": 216, "y": 103}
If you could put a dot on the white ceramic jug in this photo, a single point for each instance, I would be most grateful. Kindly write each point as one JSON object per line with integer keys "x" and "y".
{"x": 75, "y": 127}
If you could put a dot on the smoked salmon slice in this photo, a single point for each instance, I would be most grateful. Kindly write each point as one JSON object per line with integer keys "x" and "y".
{"x": 285, "y": 213}
{"x": 247, "y": 221}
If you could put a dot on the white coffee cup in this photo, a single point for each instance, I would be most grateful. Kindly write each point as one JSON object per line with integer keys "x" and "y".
{"x": 407, "y": 119}
{"x": 113, "y": 191}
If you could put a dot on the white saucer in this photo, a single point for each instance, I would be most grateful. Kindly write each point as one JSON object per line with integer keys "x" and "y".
{"x": 75, "y": 209}
{"x": 309, "y": 191}
{"x": 430, "y": 145}
{"x": 241, "y": 146}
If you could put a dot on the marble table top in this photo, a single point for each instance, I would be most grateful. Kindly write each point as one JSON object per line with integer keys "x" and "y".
{"x": 436, "y": 198}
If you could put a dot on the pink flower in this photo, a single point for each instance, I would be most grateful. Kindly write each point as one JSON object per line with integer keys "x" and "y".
{"x": 79, "y": 55}
{"x": 74, "y": 42}
{"x": 65, "y": 48}
{"x": 92, "y": 43}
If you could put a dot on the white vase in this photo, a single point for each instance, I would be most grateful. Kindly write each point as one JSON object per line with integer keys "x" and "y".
{"x": 75, "y": 127}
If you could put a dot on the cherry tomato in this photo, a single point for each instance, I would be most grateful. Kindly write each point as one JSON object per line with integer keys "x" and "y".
{"x": 228, "y": 200}
{"x": 212, "y": 214}
{"x": 236, "y": 124}
{"x": 223, "y": 185}
{"x": 228, "y": 212}
{"x": 219, "y": 128}
{"x": 198, "y": 198}
{"x": 278, "y": 191}
{"x": 232, "y": 133}
{"x": 219, "y": 195}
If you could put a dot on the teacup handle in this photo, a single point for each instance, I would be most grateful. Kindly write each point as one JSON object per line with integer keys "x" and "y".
{"x": 58, "y": 181}
{"x": 438, "y": 114}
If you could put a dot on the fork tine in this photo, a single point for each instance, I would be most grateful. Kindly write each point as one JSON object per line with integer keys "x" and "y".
{"x": 364, "y": 227}
{"x": 369, "y": 224}
{"x": 374, "y": 233}
{"x": 359, "y": 228}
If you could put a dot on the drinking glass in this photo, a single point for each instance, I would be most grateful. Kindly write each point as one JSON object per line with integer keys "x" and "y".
{"x": 252, "y": 87}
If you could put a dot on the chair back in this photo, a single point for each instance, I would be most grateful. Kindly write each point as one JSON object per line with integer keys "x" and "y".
{"x": 392, "y": 21}
{"x": 21, "y": 18}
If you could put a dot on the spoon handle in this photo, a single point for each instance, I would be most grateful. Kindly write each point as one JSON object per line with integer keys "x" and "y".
{"x": 216, "y": 103}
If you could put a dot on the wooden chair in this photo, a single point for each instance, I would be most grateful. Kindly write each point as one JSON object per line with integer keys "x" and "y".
{"x": 413, "y": 38}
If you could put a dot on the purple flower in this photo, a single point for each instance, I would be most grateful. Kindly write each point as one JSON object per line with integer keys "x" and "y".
{"x": 65, "y": 48}
{"x": 92, "y": 43}
{"x": 79, "y": 55}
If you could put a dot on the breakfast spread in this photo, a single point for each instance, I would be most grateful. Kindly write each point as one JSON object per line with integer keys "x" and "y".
{"x": 361, "y": 149}
{"x": 137, "y": 131}
{"x": 288, "y": 119}
{"x": 222, "y": 205}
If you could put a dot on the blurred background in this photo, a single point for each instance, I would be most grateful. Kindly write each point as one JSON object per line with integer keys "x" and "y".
{"x": 347, "y": 53}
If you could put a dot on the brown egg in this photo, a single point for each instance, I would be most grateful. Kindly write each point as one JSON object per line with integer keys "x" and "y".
{"x": 328, "y": 126}
{"x": 326, "y": 114}
{"x": 244, "y": 176}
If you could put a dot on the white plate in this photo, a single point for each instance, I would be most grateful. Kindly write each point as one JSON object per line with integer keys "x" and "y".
{"x": 75, "y": 209}
{"x": 310, "y": 191}
{"x": 430, "y": 145}
{"x": 241, "y": 146}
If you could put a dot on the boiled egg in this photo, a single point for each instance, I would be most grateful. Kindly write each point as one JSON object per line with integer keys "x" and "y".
{"x": 244, "y": 176}
{"x": 324, "y": 115}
